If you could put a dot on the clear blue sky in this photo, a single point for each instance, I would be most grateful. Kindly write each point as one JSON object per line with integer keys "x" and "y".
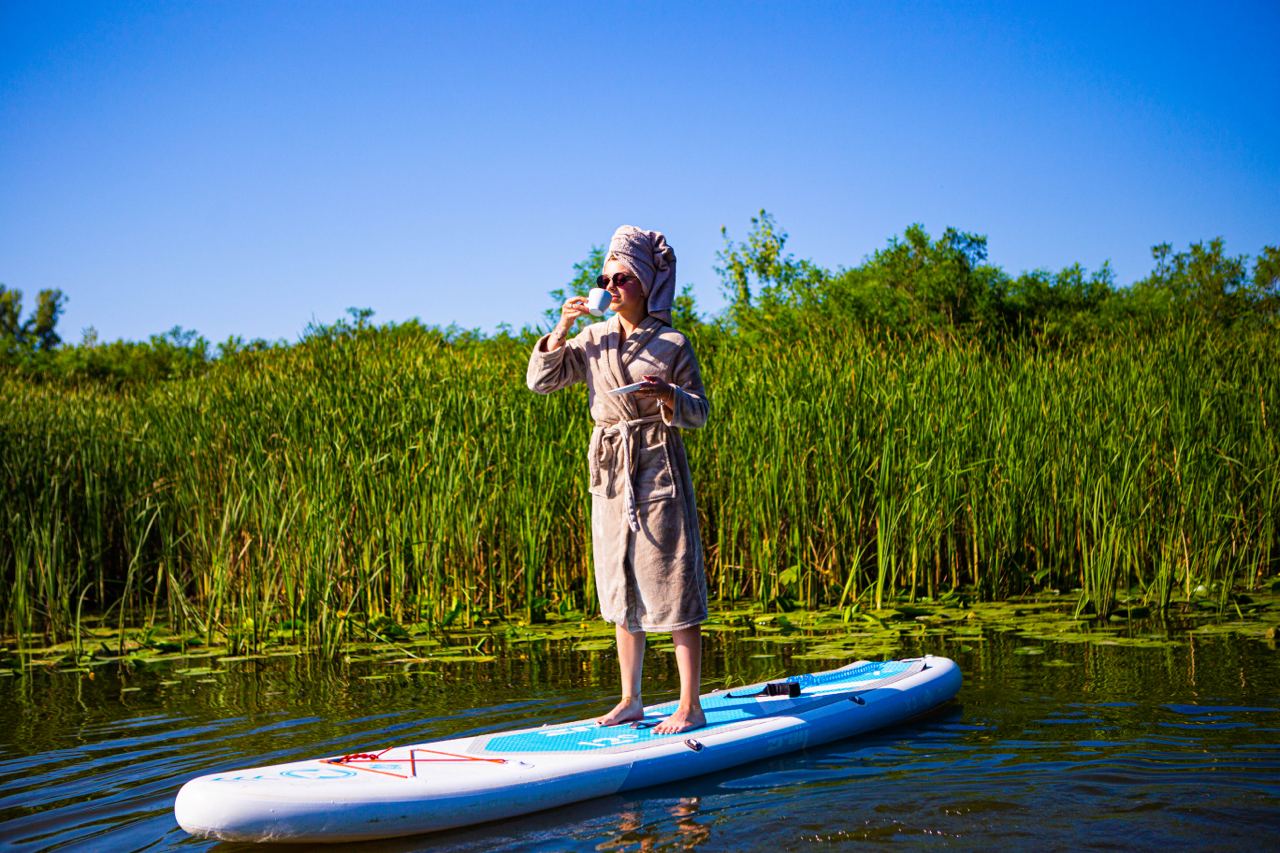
{"x": 247, "y": 167}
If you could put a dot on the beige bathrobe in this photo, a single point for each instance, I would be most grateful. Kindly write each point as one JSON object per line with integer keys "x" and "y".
{"x": 644, "y": 522}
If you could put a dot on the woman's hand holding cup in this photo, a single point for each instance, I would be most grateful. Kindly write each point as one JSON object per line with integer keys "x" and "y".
{"x": 573, "y": 308}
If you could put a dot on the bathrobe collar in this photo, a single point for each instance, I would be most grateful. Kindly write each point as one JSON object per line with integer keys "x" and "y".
{"x": 622, "y": 353}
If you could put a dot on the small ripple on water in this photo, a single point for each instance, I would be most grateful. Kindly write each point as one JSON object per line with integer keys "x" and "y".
{"x": 1198, "y": 710}
{"x": 1073, "y": 721}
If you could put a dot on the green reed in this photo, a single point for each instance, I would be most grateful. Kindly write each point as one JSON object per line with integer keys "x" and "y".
{"x": 394, "y": 476}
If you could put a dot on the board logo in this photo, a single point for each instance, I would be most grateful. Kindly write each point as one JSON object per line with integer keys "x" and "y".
{"x": 318, "y": 773}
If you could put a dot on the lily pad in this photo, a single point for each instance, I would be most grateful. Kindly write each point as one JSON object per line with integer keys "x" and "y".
{"x": 193, "y": 671}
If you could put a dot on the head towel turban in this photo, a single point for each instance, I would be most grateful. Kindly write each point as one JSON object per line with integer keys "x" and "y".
{"x": 651, "y": 260}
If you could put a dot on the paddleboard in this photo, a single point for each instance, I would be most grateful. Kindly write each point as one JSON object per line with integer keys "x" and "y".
{"x": 407, "y": 790}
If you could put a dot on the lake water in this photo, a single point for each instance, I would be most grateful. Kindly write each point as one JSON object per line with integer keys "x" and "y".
{"x": 1169, "y": 739}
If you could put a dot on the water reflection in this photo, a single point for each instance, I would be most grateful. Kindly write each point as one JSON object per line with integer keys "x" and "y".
{"x": 684, "y": 833}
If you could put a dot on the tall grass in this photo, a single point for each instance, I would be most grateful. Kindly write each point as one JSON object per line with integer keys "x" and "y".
{"x": 1131, "y": 461}
{"x": 393, "y": 474}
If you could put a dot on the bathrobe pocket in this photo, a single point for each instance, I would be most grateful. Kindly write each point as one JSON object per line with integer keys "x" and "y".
{"x": 655, "y": 478}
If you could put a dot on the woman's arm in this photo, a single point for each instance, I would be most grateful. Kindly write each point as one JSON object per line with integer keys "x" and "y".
{"x": 687, "y": 407}
{"x": 556, "y": 363}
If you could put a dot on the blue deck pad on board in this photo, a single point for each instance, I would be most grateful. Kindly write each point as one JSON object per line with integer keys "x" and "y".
{"x": 861, "y": 672}
{"x": 721, "y": 709}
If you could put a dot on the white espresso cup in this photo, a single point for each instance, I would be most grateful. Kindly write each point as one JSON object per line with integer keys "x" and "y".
{"x": 598, "y": 300}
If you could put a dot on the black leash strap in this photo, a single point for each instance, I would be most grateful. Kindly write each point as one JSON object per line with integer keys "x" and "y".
{"x": 773, "y": 688}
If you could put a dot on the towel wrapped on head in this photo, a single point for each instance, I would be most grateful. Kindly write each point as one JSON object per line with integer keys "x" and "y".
{"x": 649, "y": 258}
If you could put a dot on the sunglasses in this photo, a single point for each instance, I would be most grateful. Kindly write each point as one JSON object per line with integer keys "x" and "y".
{"x": 619, "y": 280}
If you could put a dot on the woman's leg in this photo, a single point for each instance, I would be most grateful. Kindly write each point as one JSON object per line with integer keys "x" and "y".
{"x": 688, "y": 715}
{"x": 630, "y": 662}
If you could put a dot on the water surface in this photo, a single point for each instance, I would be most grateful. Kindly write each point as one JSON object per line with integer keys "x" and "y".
{"x": 1172, "y": 742}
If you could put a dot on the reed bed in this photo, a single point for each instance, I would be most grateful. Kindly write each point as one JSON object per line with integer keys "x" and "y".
{"x": 333, "y": 488}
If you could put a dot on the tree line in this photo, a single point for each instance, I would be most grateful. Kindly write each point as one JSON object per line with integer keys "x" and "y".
{"x": 915, "y": 285}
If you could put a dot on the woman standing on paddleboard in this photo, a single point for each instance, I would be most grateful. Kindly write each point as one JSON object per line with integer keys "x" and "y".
{"x": 644, "y": 522}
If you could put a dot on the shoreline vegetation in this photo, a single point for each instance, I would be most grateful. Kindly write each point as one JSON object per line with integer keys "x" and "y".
{"x": 921, "y": 427}
{"x": 1042, "y": 624}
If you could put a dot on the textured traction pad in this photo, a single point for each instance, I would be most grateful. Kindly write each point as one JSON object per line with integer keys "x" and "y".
{"x": 722, "y": 710}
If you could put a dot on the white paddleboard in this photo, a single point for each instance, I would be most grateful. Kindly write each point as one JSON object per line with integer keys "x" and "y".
{"x": 406, "y": 790}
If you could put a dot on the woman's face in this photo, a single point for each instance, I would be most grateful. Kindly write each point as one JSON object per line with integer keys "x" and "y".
{"x": 623, "y": 287}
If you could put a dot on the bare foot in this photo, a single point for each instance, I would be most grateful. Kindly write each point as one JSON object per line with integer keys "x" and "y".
{"x": 629, "y": 709}
{"x": 683, "y": 720}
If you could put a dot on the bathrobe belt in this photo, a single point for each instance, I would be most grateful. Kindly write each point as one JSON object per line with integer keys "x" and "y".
{"x": 622, "y": 429}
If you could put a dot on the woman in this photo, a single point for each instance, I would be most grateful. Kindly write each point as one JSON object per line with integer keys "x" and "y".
{"x": 644, "y": 523}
